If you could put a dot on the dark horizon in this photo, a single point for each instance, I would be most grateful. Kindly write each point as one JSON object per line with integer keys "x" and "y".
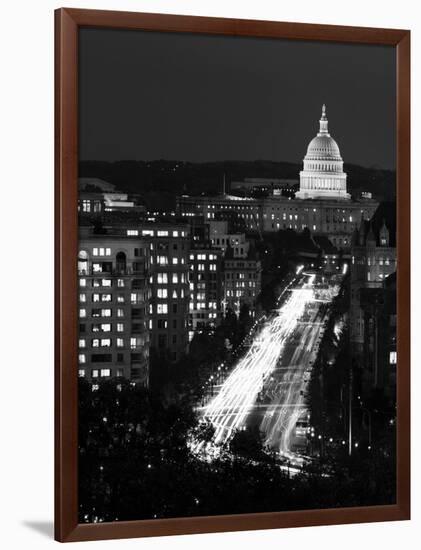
{"x": 232, "y": 161}
{"x": 203, "y": 99}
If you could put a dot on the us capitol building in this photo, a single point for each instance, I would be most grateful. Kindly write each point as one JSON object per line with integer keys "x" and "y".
{"x": 322, "y": 203}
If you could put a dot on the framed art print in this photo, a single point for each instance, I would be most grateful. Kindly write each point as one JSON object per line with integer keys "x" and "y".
{"x": 232, "y": 274}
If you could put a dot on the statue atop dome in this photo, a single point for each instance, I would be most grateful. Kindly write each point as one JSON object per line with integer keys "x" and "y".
{"x": 323, "y": 123}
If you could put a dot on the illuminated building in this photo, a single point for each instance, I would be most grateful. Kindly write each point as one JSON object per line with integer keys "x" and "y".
{"x": 242, "y": 281}
{"x": 169, "y": 282}
{"x": 322, "y": 204}
{"x": 205, "y": 276}
{"x": 322, "y": 176}
{"x": 221, "y": 238}
{"x": 113, "y": 307}
{"x": 98, "y": 196}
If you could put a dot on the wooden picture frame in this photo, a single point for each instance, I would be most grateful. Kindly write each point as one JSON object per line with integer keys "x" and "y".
{"x": 67, "y": 23}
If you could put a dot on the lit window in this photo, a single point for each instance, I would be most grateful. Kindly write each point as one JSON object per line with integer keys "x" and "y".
{"x": 162, "y": 278}
{"x": 162, "y": 233}
{"x": 392, "y": 358}
{"x": 162, "y": 260}
{"x": 120, "y": 312}
{"x": 175, "y": 233}
{"x": 105, "y": 342}
{"x": 120, "y": 327}
{"x": 106, "y": 297}
{"x": 95, "y": 343}
{"x": 174, "y": 278}
{"x": 106, "y": 282}
{"x": 175, "y": 261}
{"x": 105, "y": 327}
{"x": 120, "y": 342}
{"x": 82, "y": 358}
{"x": 120, "y": 283}
{"x": 162, "y": 308}
{"x": 82, "y": 297}
{"x": 133, "y": 343}
{"x": 82, "y": 282}
{"x": 162, "y": 293}
{"x": 105, "y": 372}
{"x": 106, "y": 312}
{"x": 95, "y": 373}
{"x": 120, "y": 299}
{"x": 81, "y": 373}
{"x": 132, "y": 232}
{"x": 82, "y": 313}
{"x": 82, "y": 342}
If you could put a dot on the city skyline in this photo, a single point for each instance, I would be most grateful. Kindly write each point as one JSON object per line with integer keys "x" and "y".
{"x": 231, "y": 99}
{"x": 237, "y": 344}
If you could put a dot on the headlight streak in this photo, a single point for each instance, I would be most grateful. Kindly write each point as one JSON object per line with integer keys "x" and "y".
{"x": 229, "y": 409}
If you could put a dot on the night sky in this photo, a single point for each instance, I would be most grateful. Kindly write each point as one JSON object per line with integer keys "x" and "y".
{"x": 146, "y": 96}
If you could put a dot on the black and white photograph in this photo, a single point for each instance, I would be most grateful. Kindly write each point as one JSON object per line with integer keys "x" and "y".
{"x": 237, "y": 305}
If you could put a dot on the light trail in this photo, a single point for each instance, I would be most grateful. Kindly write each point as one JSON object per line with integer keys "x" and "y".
{"x": 280, "y": 427}
{"x": 229, "y": 409}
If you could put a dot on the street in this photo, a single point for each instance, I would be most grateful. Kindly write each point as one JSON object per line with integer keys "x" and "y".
{"x": 267, "y": 386}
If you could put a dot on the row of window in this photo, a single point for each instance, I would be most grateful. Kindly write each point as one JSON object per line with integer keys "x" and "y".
{"x": 101, "y": 282}
{"x": 202, "y": 267}
{"x": 202, "y": 305}
{"x": 107, "y": 357}
{"x": 163, "y": 260}
{"x": 163, "y": 293}
{"x": 163, "y": 278}
{"x": 135, "y": 342}
{"x": 239, "y": 293}
{"x": 103, "y": 373}
{"x": 373, "y": 260}
{"x": 162, "y": 309}
{"x": 241, "y": 275}
{"x": 202, "y": 257}
{"x": 159, "y": 233}
{"x": 242, "y": 284}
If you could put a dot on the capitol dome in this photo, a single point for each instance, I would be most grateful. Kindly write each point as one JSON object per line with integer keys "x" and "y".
{"x": 323, "y": 147}
{"x": 322, "y": 175}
